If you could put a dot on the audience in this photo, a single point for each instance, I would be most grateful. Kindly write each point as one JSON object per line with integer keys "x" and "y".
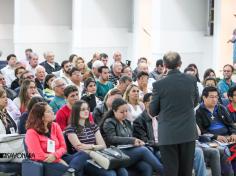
{"x": 71, "y": 94}
{"x": 226, "y": 82}
{"x": 45, "y": 141}
{"x": 49, "y": 64}
{"x": 7, "y": 124}
{"x": 103, "y": 84}
{"x": 33, "y": 62}
{"x": 158, "y": 70}
{"x": 48, "y": 92}
{"x": 84, "y": 136}
{"x": 83, "y": 99}
{"x": 27, "y": 91}
{"x": 40, "y": 75}
{"x": 214, "y": 120}
{"x": 24, "y": 116}
{"x": 58, "y": 85}
{"x": 117, "y": 131}
{"x": 135, "y": 106}
{"x": 76, "y": 79}
{"x": 9, "y": 70}
{"x": 18, "y": 72}
{"x": 105, "y": 105}
{"x": 89, "y": 93}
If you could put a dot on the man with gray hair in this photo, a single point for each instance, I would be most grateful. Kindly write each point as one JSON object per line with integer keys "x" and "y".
{"x": 40, "y": 75}
{"x": 95, "y": 67}
{"x": 58, "y": 85}
{"x": 49, "y": 64}
{"x": 174, "y": 99}
{"x": 115, "y": 73}
{"x": 33, "y": 62}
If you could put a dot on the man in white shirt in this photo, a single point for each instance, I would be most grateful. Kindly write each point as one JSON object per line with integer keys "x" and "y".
{"x": 33, "y": 62}
{"x": 9, "y": 70}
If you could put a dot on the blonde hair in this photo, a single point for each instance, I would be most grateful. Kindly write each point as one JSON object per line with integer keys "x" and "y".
{"x": 127, "y": 92}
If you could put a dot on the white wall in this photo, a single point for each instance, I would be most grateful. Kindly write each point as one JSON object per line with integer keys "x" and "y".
{"x": 6, "y": 27}
{"x": 104, "y": 27}
{"x": 43, "y": 25}
{"x": 182, "y": 26}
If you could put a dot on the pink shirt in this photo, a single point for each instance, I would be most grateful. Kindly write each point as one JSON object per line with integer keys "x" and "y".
{"x": 37, "y": 143}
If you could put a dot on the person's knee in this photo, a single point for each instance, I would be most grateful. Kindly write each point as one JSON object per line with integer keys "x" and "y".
{"x": 109, "y": 173}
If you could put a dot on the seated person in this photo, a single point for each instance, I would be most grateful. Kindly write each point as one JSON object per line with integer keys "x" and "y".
{"x": 27, "y": 91}
{"x": 89, "y": 93}
{"x": 58, "y": 85}
{"x": 48, "y": 92}
{"x": 45, "y": 141}
{"x": 136, "y": 107}
{"x": 24, "y": 116}
{"x": 104, "y": 106}
{"x": 7, "y": 124}
{"x": 213, "y": 119}
{"x": 117, "y": 130}
{"x": 84, "y": 135}
{"x": 232, "y": 105}
{"x": 71, "y": 94}
{"x": 145, "y": 128}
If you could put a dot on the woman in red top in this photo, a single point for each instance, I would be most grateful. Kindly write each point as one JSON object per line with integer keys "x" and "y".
{"x": 46, "y": 144}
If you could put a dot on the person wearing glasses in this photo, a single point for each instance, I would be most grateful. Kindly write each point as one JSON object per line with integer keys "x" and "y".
{"x": 226, "y": 82}
{"x": 76, "y": 79}
{"x": 28, "y": 89}
{"x": 214, "y": 120}
{"x": 58, "y": 85}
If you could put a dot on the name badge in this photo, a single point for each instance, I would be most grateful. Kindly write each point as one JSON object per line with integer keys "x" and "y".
{"x": 50, "y": 146}
{"x": 12, "y": 130}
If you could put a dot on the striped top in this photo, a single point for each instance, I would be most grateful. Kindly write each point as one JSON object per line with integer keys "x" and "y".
{"x": 87, "y": 135}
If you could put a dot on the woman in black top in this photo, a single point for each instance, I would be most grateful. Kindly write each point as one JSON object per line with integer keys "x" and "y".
{"x": 117, "y": 130}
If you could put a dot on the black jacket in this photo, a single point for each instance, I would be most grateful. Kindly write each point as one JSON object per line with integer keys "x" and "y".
{"x": 142, "y": 127}
{"x": 204, "y": 121}
{"x": 99, "y": 112}
{"x": 173, "y": 99}
{"x": 50, "y": 69}
{"x": 116, "y": 133}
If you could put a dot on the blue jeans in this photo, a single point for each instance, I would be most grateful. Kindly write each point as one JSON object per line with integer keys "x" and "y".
{"x": 199, "y": 163}
{"x": 212, "y": 156}
{"x": 143, "y": 154}
{"x": 91, "y": 170}
{"x": 76, "y": 161}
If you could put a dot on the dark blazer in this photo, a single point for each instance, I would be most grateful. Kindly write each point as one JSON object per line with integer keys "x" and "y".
{"x": 50, "y": 69}
{"x": 142, "y": 127}
{"x": 174, "y": 98}
{"x": 38, "y": 84}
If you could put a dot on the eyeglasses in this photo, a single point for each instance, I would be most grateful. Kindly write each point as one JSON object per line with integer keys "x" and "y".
{"x": 60, "y": 85}
{"x": 227, "y": 71}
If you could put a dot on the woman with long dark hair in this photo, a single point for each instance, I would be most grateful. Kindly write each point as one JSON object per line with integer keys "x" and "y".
{"x": 45, "y": 141}
{"x": 117, "y": 130}
{"x": 86, "y": 136}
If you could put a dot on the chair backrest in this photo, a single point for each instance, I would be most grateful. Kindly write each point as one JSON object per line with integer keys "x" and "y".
{"x": 26, "y": 149}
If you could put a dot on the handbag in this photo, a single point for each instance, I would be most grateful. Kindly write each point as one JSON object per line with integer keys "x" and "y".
{"x": 110, "y": 158}
{"x": 12, "y": 148}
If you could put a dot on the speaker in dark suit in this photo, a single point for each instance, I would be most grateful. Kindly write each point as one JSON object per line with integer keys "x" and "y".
{"x": 174, "y": 98}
